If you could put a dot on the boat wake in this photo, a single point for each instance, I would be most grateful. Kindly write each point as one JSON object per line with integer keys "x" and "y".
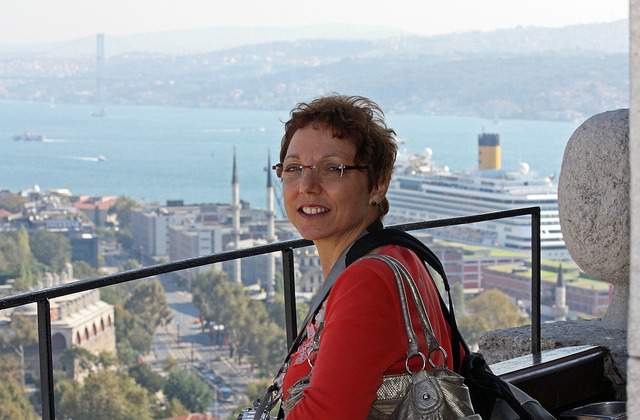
{"x": 99, "y": 158}
{"x": 235, "y": 130}
{"x": 47, "y": 140}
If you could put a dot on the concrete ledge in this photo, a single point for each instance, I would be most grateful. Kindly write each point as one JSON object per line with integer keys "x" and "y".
{"x": 501, "y": 345}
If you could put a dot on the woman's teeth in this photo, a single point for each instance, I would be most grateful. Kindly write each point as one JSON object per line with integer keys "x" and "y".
{"x": 314, "y": 210}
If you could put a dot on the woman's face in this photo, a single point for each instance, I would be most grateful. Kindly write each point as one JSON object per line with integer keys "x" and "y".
{"x": 330, "y": 211}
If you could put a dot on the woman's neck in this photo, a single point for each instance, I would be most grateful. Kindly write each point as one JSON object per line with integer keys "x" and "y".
{"x": 330, "y": 249}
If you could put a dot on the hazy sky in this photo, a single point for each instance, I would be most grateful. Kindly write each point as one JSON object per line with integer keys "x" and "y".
{"x": 23, "y": 21}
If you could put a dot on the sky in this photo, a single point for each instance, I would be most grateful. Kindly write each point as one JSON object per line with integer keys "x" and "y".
{"x": 35, "y": 21}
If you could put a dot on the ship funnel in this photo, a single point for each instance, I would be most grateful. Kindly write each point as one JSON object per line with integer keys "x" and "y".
{"x": 489, "y": 156}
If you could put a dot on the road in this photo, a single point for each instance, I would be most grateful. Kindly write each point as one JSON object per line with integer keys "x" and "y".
{"x": 183, "y": 340}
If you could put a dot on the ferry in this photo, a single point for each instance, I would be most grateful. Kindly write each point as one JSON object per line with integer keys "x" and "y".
{"x": 423, "y": 190}
{"x": 29, "y": 136}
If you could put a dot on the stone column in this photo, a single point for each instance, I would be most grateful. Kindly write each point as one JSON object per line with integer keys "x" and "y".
{"x": 593, "y": 199}
{"x": 633, "y": 365}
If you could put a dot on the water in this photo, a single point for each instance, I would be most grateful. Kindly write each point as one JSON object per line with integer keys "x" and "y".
{"x": 160, "y": 153}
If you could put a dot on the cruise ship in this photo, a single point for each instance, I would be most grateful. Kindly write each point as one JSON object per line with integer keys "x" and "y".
{"x": 423, "y": 190}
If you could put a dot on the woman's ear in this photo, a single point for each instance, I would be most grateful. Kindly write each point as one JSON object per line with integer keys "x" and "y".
{"x": 378, "y": 192}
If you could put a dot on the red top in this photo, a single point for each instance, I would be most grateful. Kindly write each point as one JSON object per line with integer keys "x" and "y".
{"x": 363, "y": 338}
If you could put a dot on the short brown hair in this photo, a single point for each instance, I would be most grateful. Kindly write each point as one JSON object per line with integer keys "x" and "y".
{"x": 354, "y": 118}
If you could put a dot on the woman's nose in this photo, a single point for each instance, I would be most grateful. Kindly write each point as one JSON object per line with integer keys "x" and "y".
{"x": 309, "y": 180}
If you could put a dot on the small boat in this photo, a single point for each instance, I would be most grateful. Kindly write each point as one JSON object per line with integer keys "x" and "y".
{"x": 29, "y": 136}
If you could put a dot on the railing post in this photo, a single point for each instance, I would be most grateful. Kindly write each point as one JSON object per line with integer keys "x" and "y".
{"x": 288, "y": 281}
{"x": 46, "y": 360}
{"x": 535, "y": 282}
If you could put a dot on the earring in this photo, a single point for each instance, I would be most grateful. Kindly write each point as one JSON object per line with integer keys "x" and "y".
{"x": 373, "y": 203}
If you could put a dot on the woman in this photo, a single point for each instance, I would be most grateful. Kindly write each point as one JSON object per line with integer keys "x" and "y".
{"x": 336, "y": 159}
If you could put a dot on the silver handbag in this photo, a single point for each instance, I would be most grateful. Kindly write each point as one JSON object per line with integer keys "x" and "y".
{"x": 439, "y": 394}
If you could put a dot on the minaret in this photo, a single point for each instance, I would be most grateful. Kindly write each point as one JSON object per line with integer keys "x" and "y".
{"x": 271, "y": 231}
{"x": 235, "y": 203}
{"x": 560, "y": 308}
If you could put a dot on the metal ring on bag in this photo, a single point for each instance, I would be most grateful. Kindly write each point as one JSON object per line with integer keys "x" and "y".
{"x": 424, "y": 362}
{"x": 441, "y": 350}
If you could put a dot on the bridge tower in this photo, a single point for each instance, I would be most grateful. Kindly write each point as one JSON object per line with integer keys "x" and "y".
{"x": 100, "y": 107}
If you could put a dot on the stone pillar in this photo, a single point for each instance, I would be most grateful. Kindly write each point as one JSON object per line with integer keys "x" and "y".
{"x": 633, "y": 365}
{"x": 593, "y": 198}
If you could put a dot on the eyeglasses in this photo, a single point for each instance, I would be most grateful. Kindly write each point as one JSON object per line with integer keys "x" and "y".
{"x": 327, "y": 171}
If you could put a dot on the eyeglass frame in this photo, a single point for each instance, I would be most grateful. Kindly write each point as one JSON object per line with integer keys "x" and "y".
{"x": 279, "y": 168}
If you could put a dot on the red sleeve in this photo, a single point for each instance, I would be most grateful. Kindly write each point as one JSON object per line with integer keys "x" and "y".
{"x": 362, "y": 337}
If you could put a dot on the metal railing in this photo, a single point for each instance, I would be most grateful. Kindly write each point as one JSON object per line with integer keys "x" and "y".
{"x": 43, "y": 297}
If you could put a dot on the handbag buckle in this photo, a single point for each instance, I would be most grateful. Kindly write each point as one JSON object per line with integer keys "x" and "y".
{"x": 410, "y": 356}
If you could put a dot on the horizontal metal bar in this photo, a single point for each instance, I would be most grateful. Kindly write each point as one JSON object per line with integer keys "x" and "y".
{"x": 90, "y": 284}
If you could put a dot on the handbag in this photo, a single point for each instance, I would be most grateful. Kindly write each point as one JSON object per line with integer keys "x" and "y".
{"x": 421, "y": 394}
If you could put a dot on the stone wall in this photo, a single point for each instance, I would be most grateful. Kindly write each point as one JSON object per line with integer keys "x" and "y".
{"x": 633, "y": 387}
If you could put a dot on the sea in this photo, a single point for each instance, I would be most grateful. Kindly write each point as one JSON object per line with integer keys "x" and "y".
{"x": 154, "y": 154}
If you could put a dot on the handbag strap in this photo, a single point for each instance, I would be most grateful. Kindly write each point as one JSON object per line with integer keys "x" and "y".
{"x": 402, "y": 276}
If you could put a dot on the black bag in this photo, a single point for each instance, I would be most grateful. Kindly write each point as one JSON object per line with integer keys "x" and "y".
{"x": 492, "y": 397}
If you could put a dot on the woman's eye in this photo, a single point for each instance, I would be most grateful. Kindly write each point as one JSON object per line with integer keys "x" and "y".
{"x": 293, "y": 168}
{"x": 333, "y": 167}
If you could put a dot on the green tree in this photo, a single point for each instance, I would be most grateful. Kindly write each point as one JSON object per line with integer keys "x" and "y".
{"x": 457, "y": 295}
{"x": 122, "y": 209}
{"x": 277, "y": 311}
{"x": 189, "y": 389}
{"x": 51, "y": 249}
{"x": 132, "y": 336}
{"x": 27, "y": 276}
{"x": 170, "y": 409}
{"x": 9, "y": 254}
{"x": 14, "y": 403}
{"x": 146, "y": 377}
{"x": 82, "y": 270}
{"x": 104, "y": 394}
{"x": 10, "y": 202}
{"x": 149, "y": 302}
{"x": 491, "y": 310}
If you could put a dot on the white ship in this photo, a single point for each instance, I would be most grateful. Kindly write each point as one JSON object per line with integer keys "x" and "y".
{"x": 423, "y": 190}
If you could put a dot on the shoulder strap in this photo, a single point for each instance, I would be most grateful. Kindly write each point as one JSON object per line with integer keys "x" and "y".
{"x": 390, "y": 236}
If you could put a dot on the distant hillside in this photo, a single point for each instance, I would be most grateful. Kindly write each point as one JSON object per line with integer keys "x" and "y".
{"x": 607, "y": 38}
{"x": 530, "y": 73}
{"x": 204, "y": 40}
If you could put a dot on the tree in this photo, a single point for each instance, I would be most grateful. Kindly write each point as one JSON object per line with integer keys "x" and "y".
{"x": 249, "y": 326}
{"x": 27, "y": 277}
{"x": 189, "y": 389}
{"x": 82, "y": 270}
{"x": 12, "y": 203}
{"x": 122, "y": 209}
{"x": 457, "y": 295}
{"x": 105, "y": 394}
{"x": 149, "y": 302}
{"x": 14, "y": 404}
{"x": 9, "y": 254}
{"x": 51, "y": 249}
{"x": 146, "y": 377}
{"x": 170, "y": 409}
{"x": 489, "y": 311}
{"x": 132, "y": 336}
{"x": 144, "y": 309}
